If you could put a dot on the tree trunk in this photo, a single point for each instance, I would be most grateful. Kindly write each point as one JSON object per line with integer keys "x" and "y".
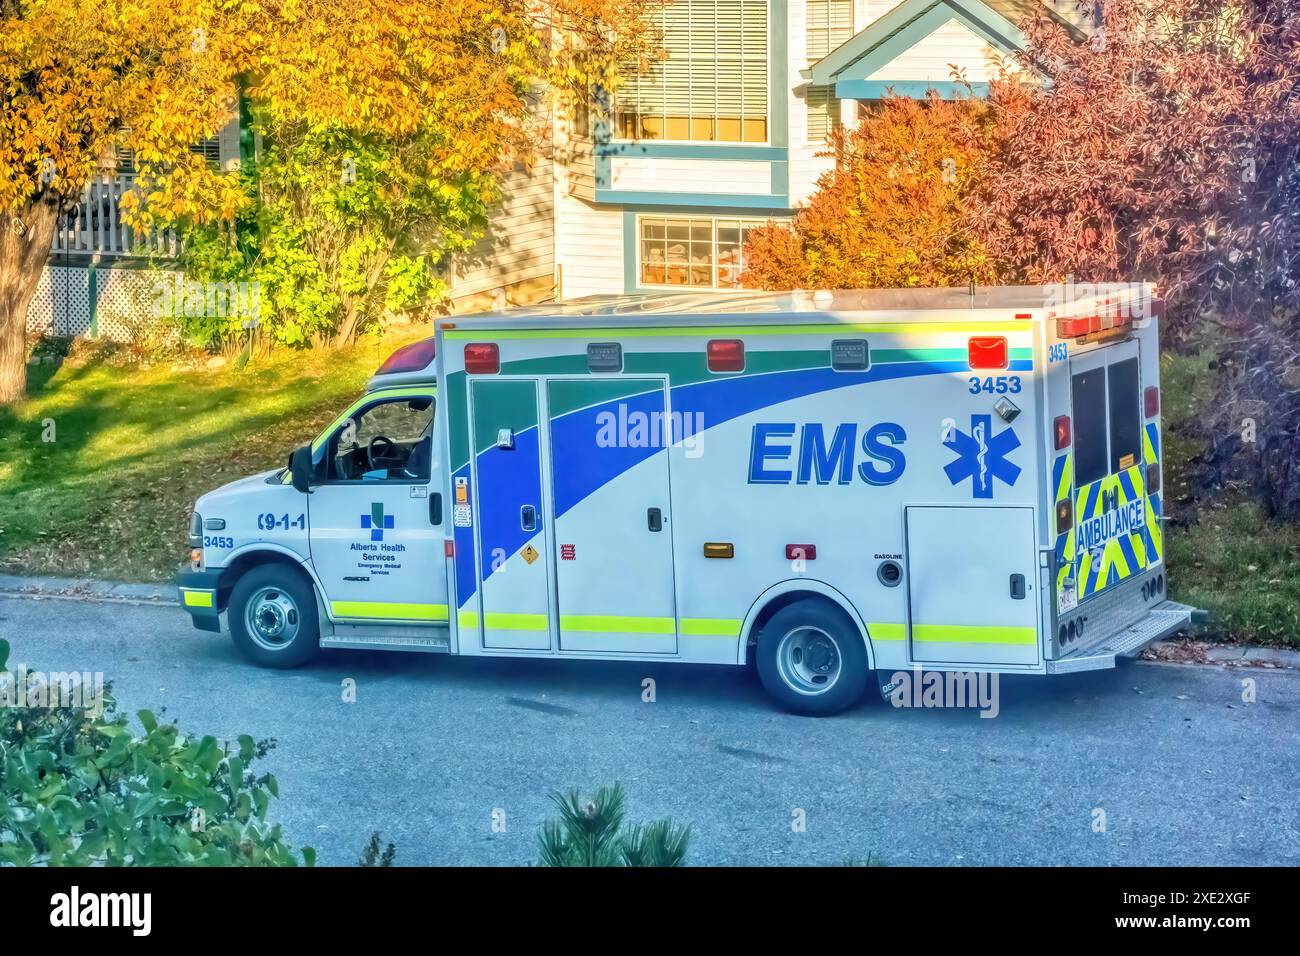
{"x": 24, "y": 251}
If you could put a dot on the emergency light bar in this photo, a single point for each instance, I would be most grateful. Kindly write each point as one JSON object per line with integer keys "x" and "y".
{"x": 409, "y": 358}
{"x": 1118, "y": 315}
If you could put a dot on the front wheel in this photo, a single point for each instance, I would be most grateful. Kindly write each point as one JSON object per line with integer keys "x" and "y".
{"x": 811, "y": 659}
{"x": 273, "y": 618}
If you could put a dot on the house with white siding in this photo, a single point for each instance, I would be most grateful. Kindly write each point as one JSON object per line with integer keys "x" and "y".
{"x": 728, "y": 131}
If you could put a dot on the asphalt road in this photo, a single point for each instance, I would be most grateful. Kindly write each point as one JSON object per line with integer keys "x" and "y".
{"x": 1184, "y": 770}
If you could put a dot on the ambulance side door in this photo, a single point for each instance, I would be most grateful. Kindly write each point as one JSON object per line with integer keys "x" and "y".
{"x": 376, "y": 514}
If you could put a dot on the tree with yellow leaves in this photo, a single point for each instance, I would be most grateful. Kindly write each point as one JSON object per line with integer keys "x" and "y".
{"x": 427, "y": 99}
{"x": 77, "y": 80}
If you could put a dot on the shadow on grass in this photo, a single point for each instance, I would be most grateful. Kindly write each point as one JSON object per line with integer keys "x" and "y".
{"x": 131, "y": 450}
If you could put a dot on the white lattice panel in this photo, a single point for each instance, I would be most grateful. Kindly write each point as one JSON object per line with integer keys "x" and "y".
{"x": 61, "y": 305}
{"x": 125, "y": 304}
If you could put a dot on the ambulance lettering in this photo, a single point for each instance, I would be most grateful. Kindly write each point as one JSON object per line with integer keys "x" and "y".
{"x": 821, "y": 460}
{"x": 1114, "y": 521}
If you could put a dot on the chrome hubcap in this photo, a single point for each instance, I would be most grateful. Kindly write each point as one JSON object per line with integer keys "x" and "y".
{"x": 272, "y": 619}
{"x": 808, "y": 660}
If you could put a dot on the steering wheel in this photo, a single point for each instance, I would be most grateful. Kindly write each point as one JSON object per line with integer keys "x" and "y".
{"x": 391, "y": 452}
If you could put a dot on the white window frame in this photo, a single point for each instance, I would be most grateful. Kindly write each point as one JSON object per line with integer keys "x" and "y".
{"x": 713, "y": 257}
{"x": 853, "y": 19}
{"x": 767, "y": 55}
{"x": 836, "y": 116}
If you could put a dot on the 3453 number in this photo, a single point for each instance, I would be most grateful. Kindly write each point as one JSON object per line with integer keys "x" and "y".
{"x": 995, "y": 384}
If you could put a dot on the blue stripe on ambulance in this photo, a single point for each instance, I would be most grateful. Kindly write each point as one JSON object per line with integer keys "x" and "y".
{"x": 466, "y": 583}
{"x": 511, "y": 479}
{"x": 578, "y": 465}
{"x": 717, "y": 401}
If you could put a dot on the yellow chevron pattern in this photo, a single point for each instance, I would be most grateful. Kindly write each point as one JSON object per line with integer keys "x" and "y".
{"x": 1122, "y": 555}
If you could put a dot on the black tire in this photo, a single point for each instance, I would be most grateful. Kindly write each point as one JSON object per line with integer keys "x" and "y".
{"x": 793, "y": 657}
{"x": 275, "y": 589}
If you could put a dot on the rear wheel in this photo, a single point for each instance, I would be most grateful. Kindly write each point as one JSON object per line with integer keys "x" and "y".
{"x": 273, "y": 618}
{"x": 811, "y": 659}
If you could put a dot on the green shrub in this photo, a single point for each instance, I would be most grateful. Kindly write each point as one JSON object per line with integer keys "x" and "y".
{"x": 372, "y": 855}
{"x": 589, "y": 834}
{"x": 78, "y": 787}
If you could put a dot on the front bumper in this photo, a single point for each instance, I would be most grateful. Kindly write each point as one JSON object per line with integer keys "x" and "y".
{"x": 1161, "y": 621}
{"x": 198, "y": 594}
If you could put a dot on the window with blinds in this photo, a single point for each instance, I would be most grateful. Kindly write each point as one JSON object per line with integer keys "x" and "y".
{"x": 209, "y": 149}
{"x": 823, "y": 113}
{"x": 712, "y": 85}
{"x": 829, "y": 23}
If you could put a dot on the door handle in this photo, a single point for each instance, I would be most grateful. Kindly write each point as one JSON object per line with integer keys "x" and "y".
{"x": 435, "y": 508}
{"x": 654, "y": 519}
{"x": 528, "y": 518}
{"x": 1018, "y": 587}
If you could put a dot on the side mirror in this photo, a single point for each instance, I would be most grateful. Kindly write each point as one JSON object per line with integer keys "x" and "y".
{"x": 301, "y": 471}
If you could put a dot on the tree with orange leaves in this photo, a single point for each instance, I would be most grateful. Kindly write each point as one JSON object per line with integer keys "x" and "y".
{"x": 890, "y": 211}
{"x": 436, "y": 94}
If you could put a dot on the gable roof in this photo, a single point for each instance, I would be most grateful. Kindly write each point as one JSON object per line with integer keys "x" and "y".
{"x": 850, "y": 66}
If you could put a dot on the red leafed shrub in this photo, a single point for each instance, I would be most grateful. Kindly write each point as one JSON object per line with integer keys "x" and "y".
{"x": 1167, "y": 148}
{"x": 889, "y": 213}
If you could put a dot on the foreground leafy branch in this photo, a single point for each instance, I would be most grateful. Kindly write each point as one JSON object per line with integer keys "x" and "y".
{"x": 79, "y": 788}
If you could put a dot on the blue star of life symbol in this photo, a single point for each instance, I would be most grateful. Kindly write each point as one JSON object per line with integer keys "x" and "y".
{"x": 982, "y": 456}
{"x": 377, "y": 521}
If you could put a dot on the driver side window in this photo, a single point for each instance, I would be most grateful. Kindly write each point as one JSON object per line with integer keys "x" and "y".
{"x": 387, "y": 441}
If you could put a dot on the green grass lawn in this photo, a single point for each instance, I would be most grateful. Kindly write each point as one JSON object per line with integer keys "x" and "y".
{"x": 134, "y": 446}
{"x": 1225, "y": 555}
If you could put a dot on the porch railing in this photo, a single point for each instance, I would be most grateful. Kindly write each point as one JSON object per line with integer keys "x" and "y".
{"x": 94, "y": 226}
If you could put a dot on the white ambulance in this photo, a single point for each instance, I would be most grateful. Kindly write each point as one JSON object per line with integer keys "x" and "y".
{"x": 828, "y": 486}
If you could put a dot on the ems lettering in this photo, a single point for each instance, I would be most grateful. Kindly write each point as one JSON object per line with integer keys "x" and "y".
{"x": 781, "y": 453}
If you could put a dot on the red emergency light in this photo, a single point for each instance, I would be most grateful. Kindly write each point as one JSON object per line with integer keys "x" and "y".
{"x": 726, "y": 355}
{"x": 1151, "y": 401}
{"x": 1076, "y": 326}
{"x": 987, "y": 351}
{"x": 1061, "y": 431}
{"x": 409, "y": 358}
{"x": 482, "y": 358}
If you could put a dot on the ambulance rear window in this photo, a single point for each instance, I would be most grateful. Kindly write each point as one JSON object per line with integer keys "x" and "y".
{"x": 1125, "y": 423}
{"x": 1089, "y": 401}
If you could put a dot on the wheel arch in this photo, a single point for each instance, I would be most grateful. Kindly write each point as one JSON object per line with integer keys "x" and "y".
{"x": 783, "y": 595}
{"x": 246, "y": 559}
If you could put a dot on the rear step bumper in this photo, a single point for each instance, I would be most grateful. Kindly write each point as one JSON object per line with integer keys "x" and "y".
{"x": 1164, "y": 619}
